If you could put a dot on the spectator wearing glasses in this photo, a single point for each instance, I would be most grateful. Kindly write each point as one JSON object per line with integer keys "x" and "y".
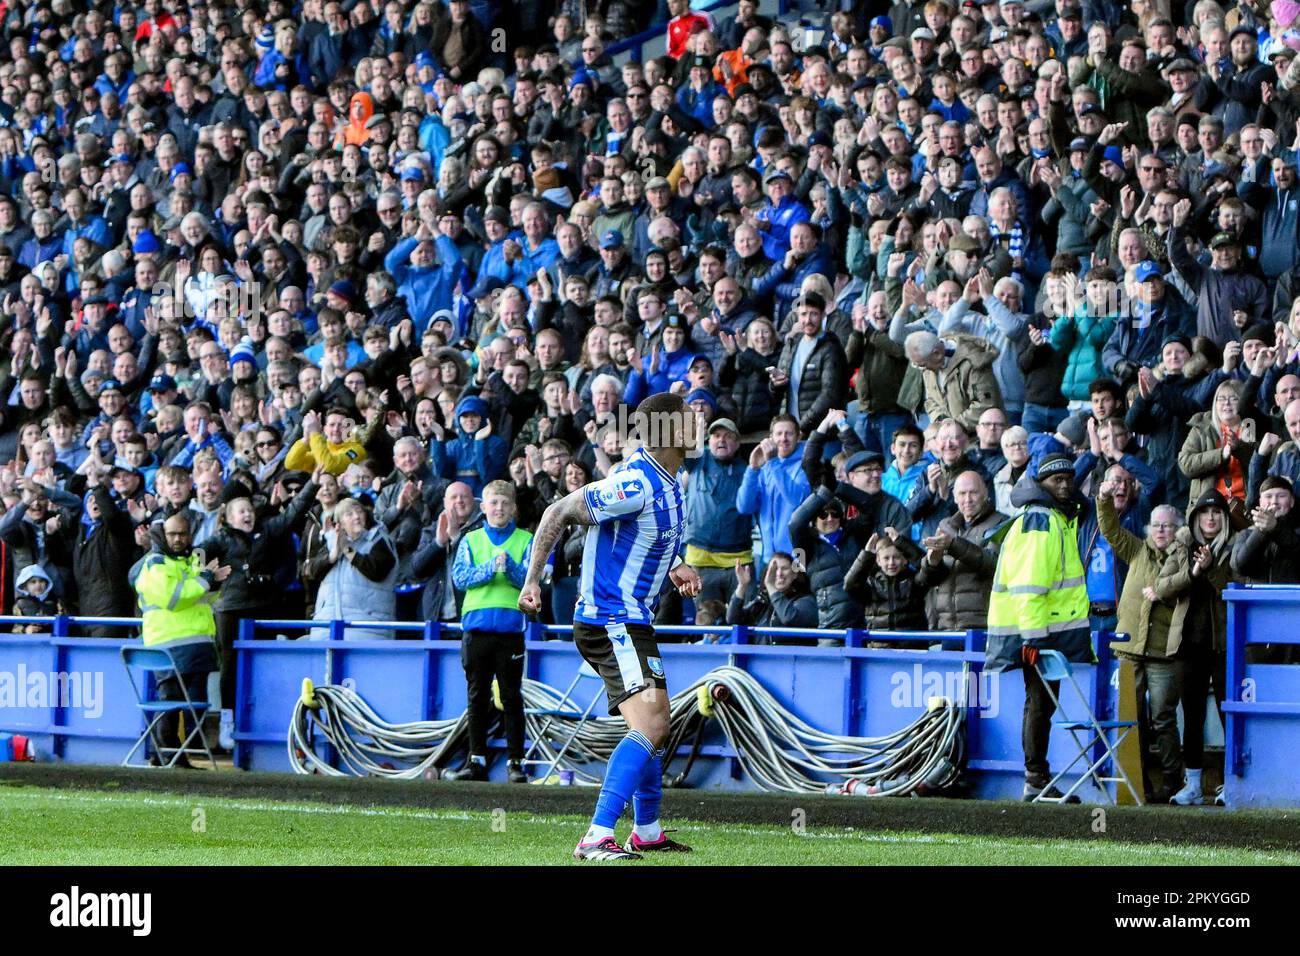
{"x": 381, "y": 241}
{"x": 1146, "y": 659}
{"x": 817, "y": 529}
{"x": 987, "y": 453}
{"x": 270, "y": 450}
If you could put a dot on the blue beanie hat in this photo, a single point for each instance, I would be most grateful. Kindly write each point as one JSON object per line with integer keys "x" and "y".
{"x": 145, "y": 244}
{"x": 702, "y": 395}
{"x": 243, "y": 352}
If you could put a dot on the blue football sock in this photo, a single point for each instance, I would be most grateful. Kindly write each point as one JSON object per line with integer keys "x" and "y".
{"x": 645, "y": 801}
{"x": 622, "y": 777}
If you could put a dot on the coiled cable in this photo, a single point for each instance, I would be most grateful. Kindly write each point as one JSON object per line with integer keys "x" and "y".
{"x": 778, "y": 751}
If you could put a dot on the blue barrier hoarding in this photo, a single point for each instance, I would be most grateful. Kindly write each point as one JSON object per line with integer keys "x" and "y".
{"x": 853, "y": 690}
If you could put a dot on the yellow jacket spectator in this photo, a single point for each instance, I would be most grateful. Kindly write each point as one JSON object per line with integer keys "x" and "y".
{"x": 330, "y": 447}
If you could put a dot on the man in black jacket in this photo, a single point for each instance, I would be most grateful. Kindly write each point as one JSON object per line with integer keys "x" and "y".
{"x": 1269, "y": 550}
{"x": 1241, "y": 82}
{"x": 103, "y": 549}
{"x": 387, "y": 309}
{"x": 812, "y": 375}
{"x": 1139, "y": 337}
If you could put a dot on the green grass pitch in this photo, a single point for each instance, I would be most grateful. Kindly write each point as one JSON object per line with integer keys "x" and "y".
{"x": 82, "y": 827}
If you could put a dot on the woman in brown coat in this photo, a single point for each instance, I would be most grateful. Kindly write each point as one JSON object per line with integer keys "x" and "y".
{"x": 1216, "y": 453}
{"x": 1194, "y": 575}
{"x": 1147, "y": 664}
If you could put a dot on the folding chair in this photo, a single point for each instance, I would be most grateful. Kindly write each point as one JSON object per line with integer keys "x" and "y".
{"x": 564, "y": 709}
{"x": 159, "y": 663}
{"x": 1053, "y": 666}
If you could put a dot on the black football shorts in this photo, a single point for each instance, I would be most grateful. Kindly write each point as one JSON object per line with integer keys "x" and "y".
{"x": 624, "y": 655}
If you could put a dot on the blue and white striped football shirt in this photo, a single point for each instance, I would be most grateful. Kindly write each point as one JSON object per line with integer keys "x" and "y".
{"x": 639, "y": 513}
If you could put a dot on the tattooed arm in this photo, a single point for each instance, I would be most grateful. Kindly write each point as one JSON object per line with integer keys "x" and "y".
{"x": 569, "y": 511}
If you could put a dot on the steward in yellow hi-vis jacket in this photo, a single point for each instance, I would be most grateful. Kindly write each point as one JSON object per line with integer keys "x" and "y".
{"x": 176, "y": 590}
{"x": 1039, "y": 599}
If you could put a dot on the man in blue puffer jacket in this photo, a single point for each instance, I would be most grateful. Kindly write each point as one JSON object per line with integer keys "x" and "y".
{"x": 807, "y": 256}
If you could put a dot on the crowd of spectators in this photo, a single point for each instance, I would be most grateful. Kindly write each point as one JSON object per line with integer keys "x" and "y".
{"x": 322, "y": 271}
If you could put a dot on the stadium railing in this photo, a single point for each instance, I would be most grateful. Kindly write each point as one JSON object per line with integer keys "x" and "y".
{"x": 70, "y": 693}
{"x": 854, "y": 690}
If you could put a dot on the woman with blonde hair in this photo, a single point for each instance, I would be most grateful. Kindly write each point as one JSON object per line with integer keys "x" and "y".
{"x": 592, "y": 361}
{"x": 362, "y": 75}
{"x": 1217, "y": 451}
